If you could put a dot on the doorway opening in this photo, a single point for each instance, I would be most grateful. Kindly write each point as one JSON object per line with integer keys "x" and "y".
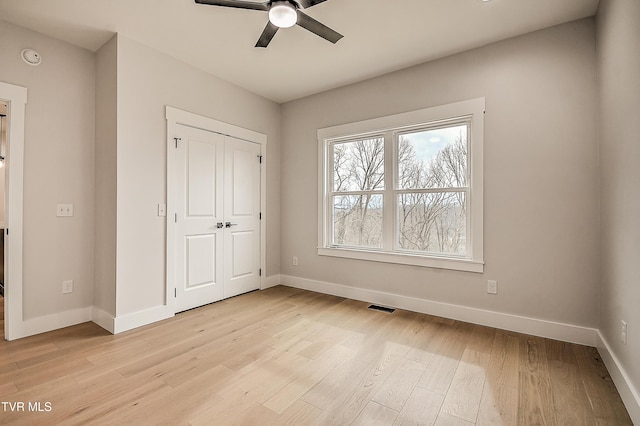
{"x": 4, "y": 108}
{"x": 14, "y": 98}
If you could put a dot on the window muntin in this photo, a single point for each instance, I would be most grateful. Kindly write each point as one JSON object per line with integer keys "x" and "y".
{"x": 420, "y": 203}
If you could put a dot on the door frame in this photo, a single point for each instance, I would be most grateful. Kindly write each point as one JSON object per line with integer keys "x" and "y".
{"x": 16, "y": 96}
{"x": 175, "y": 117}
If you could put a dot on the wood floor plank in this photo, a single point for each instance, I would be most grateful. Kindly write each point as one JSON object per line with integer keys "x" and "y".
{"x": 445, "y": 419}
{"x": 7, "y": 367}
{"x": 427, "y": 331}
{"x": 533, "y": 357}
{"x": 265, "y": 378}
{"x": 7, "y": 389}
{"x": 318, "y": 369}
{"x": 375, "y": 414}
{"x": 535, "y": 402}
{"x": 32, "y": 352}
{"x": 298, "y": 413}
{"x": 322, "y": 339}
{"x": 94, "y": 402}
{"x": 504, "y": 363}
{"x": 465, "y": 392}
{"x": 397, "y": 388}
{"x": 499, "y": 406}
{"x": 32, "y": 376}
{"x": 446, "y": 356}
{"x": 164, "y": 410}
{"x": 234, "y": 411}
{"x": 118, "y": 354}
{"x": 347, "y": 403}
{"x": 422, "y": 408}
{"x": 481, "y": 338}
{"x": 137, "y": 407}
{"x": 326, "y": 390}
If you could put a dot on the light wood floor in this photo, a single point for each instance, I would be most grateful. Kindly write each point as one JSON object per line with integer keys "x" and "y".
{"x": 287, "y": 356}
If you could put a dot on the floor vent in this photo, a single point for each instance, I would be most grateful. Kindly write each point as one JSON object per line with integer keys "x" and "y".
{"x": 382, "y": 308}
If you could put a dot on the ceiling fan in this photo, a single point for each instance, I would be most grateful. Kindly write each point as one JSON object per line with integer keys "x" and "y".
{"x": 282, "y": 14}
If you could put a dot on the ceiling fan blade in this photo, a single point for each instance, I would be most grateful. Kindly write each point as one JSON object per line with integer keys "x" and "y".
{"x": 236, "y": 3}
{"x": 308, "y": 23}
{"x": 267, "y": 34}
{"x": 306, "y": 4}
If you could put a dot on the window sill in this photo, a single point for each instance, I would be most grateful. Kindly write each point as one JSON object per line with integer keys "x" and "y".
{"x": 405, "y": 259}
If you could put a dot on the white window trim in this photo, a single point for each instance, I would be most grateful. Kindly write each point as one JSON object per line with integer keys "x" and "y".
{"x": 474, "y": 108}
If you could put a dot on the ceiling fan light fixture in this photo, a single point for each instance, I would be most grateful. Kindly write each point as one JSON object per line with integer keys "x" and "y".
{"x": 283, "y": 14}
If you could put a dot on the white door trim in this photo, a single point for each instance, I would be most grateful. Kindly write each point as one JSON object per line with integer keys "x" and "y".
{"x": 174, "y": 117}
{"x": 14, "y": 326}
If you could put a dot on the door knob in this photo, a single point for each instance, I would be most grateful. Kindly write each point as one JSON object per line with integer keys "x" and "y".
{"x": 229, "y": 224}
{"x": 219, "y": 225}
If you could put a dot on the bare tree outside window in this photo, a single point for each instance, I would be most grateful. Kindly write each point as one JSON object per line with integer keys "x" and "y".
{"x": 358, "y": 169}
{"x": 432, "y": 171}
{"x": 430, "y": 191}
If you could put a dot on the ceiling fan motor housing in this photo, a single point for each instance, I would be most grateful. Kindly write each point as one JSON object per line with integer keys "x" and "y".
{"x": 283, "y": 14}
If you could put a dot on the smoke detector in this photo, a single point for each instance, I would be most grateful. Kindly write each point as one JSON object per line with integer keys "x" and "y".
{"x": 31, "y": 57}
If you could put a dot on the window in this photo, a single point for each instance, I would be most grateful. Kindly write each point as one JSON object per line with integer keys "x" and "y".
{"x": 405, "y": 188}
{"x": 358, "y": 190}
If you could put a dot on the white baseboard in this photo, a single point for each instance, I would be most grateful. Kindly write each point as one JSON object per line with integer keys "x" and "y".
{"x": 103, "y": 319}
{"x": 537, "y": 327}
{"x": 138, "y": 319}
{"x": 271, "y": 281}
{"x": 52, "y": 322}
{"x": 629, "y": 394}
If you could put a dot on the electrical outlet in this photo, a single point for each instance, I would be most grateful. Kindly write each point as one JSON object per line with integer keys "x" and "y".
{"x": 64, "y": 210}
{"x": 492, "y": 287}
{"x": 295, "y": 260}
{"x": 67, "y": 286}
{"x": 623, "y": 331}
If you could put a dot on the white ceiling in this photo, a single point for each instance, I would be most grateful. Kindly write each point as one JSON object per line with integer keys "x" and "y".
{"x": 379, "y": 35}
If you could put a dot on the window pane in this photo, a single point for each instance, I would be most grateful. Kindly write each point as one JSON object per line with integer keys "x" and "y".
{"x": 435, "y": 158}
{"x": 357, "y": 220}
{"x": 433, "y": 222}
{"x": 358, "y": 165}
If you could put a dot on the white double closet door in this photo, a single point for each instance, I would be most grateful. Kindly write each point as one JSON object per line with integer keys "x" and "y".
{"x": 217, "y": 221}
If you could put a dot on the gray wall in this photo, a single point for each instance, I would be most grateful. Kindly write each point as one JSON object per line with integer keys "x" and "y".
{"x": 105, "y": 177}
{"x": 58, "y": 168}
{"x": 541, "y": 203}
{"x": 618, "y": 44}
{"x": 147, "y": 81}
